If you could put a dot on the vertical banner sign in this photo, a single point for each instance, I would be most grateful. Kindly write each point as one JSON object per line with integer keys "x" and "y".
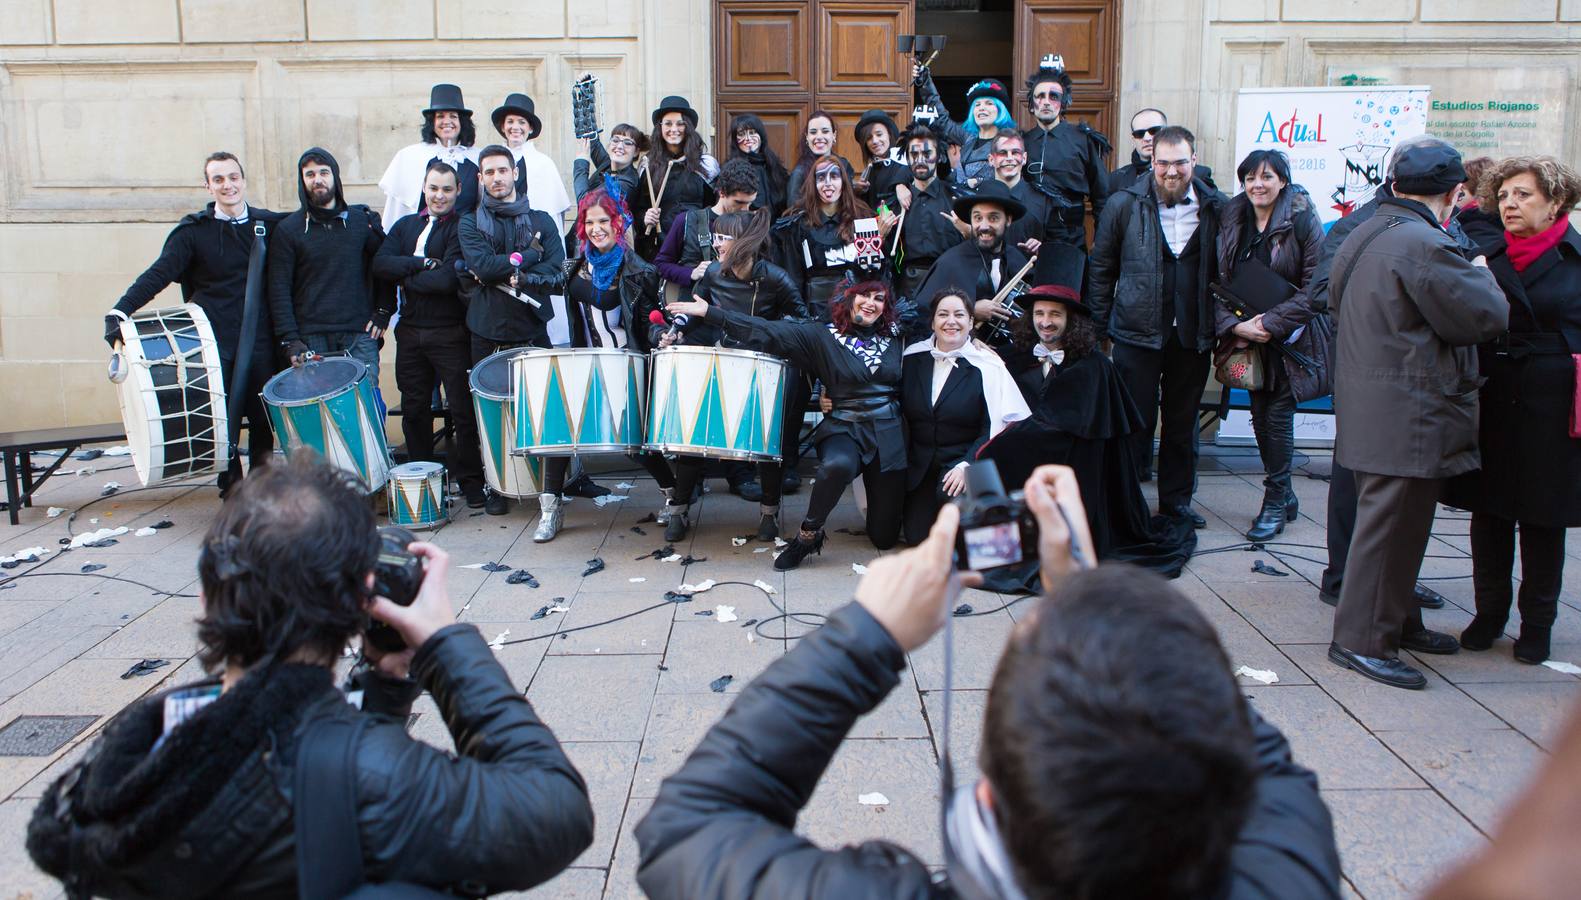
{"x": 1338, "y": 138}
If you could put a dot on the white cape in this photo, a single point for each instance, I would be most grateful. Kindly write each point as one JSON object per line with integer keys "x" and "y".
{"x": 1000, "y": 393}
{"x": 402, "y": 182}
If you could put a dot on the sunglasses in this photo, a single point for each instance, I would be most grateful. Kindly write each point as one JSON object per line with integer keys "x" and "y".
{"x": 1140, "y": 133}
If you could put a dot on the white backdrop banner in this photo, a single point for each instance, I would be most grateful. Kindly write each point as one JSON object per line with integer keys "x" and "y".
{"x": 1338, "y": 138}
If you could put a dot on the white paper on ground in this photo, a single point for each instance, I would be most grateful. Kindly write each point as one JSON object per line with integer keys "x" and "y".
{"x": 725, "y": 613}
{"x": 607, "y": 499}
{"x": 93, "y": 537}
{"x": 499, "y": 639}
{"x": 858, "y": 568}
{"x": 764, "y": 550}
{"x": 697, "y": 588}
{"x": 145, "y": 532}
{"x": 780, "y": 542}
{"x": 624, "y": 486}
{"x": 873, "y": 799}
{"x": 122, "y": 450}
{"x": 764, "y": 585}
{"x": 737, "y": 542}
{"x": 636, "y": 580}
{"x": 1266, "y": 676}
{"x": 561, "y": 609}
{"x": 1567, "y": 668}
{"x": 28, "y": 555}
{"x": 55, "y": 511}
{"x": 673, "y": 557}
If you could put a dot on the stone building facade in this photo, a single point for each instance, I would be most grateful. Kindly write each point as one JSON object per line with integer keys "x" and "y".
{"x": 107, "y": 108}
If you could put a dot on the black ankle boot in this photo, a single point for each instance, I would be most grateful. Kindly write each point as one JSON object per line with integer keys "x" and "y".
{"x": 768, "y": 525}
{"x": 1292, "y": 506}
{"x": 1532, "y": 646}
{"x": 1482, "y": 632}
{"x": 1270, "y": 522}
{"x": 798, "y": 550}
{"x": 675, "y": 528}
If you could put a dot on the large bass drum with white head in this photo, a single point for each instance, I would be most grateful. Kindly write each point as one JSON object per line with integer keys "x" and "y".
{"x": 172, "y": 392}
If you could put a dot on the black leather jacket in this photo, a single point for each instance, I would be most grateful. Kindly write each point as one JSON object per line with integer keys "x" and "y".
{"x": 768, "y": 294}
{"x": 508, "y": 813}
{"x": 639, "y": 294}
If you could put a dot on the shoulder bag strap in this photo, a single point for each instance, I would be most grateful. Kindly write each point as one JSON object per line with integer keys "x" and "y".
{"x": 324, "y": 808}
{"x": 1336, "y": 281}
{"x": 252, "y": 302}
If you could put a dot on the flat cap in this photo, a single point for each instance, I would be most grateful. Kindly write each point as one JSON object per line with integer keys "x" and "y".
{"x": 1428, "y": 170}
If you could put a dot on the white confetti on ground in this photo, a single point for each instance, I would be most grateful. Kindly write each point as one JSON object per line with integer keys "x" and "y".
{"x": 22, "y": 556}
{"x": 1567, "y": 668}
{"x": 765, "y": 586}
{"x": 671, "y": 558}
{"x": 607, "y": 499}
{"x": 764, "y": 550}
{"x": 85, "y": 470}
{"x": 112, "y": 486}
{"x": 93, "y": 521}
{"x": 858, "y": 568}
{"x": 736, "y": 542}
{"x": 780, "y": 542}
{"x": 725, "y": 613}
{"x": 499, "y": 639}
{"x": 145, "y": 532}
{"x": 1266, "y": 676}
{"x": 122, "y": 450}
{"x": 93, "y": 537}
{"x": 55, "y": 511}
{"x": 873, "y": 799}
{"x": 624, "y": 486}
{"x": 562, "y": 609}
{"x": 697, "y": 588}
{"x": 637, "y": 580}
{"x": 751, "y": 639}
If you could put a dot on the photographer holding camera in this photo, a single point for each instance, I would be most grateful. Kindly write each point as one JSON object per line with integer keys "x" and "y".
{"x": 1119, "y": 757}
{"x": 265, "y": 781}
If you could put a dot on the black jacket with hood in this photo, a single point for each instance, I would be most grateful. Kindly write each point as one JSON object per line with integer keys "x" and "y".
{"x": 208, "y": 257}
{"x": 320, "y": 274}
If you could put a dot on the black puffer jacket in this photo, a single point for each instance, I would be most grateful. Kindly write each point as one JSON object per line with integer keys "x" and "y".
{"x": 722, "y": 827}
{"x": 208, "y": 813}
{"x": 1125, "y": 286}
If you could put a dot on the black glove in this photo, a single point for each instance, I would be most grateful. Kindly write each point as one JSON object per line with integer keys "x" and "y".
{"x": 295, "y": 350}
{"x": 112, "y": 331}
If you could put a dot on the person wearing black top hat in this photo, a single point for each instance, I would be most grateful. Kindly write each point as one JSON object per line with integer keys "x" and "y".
{"x": 988, "y": 113}
{"x": 883, "y": 164}
{"x": 1082, "y": 417}
{"x": 537, "y": 179}
{"x": 448, "y": 136}
{"x": 679, "y": 174}
{"x": 1065, "y": 160}
{"x": 987, "y": 262}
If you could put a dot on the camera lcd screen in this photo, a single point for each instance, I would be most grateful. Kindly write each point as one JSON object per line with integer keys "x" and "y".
{"x": 991, "y": 546}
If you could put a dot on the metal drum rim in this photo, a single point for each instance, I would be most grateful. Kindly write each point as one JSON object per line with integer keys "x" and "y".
{"x": 710, "y": 452}
{"x": 472, "y": 382}
{"x": 286, "y": 404}
{"x": 722, "y": 351}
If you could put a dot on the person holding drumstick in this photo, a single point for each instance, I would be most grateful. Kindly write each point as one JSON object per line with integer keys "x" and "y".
{"x": 741, "y": 281}
{"x": 857, "y": 357}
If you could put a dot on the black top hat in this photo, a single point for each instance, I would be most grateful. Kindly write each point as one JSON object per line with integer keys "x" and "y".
{"x": 993, "y": 192}
{"x": 521, "y": 105}
{"x": 882, "y": 118}
{"x": 678, "y": 104}
{"x": 446, "y": 98}
{"x": 988, "y": 87}
{"x": 1057, "y": 276}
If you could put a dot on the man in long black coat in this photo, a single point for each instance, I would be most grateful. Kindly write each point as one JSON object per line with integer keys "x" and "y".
{"x": 986, "y": 263}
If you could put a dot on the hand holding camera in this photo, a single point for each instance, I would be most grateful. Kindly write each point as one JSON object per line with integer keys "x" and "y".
{"x": 1064, "y": 538}
{"x": 411, "y": 599}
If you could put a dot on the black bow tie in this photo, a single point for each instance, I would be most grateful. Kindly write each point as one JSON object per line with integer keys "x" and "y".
{"x": 1185, "y": 201}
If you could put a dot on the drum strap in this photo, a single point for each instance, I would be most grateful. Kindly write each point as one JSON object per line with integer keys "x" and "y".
{"x": 236, "y": 401}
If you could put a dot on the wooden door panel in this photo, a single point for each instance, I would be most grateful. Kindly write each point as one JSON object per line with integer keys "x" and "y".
{"x": 1082, "y": 31}
{"x": 856, "y": 46}
{"x": 782, "y": 116}
{"x": 765, "y": 46}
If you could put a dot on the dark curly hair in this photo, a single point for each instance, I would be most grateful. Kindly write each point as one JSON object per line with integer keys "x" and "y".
{"x": 1079, "y": 340}
{"x": 467, "y": 138}
{"x": 840, "y": 306}
{"x": 284, "y": 567}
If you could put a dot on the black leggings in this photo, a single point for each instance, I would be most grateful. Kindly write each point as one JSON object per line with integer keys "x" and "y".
{"x": 554, "y": 469}
{"x": 839, "y": 462}
{"x": 690, "y": 471}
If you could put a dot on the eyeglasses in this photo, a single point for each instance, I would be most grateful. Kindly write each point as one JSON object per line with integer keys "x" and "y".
{"x": 621, "y": 142}
{"x": 1164, "y": 165}
{"x": 1140, "y": 133}
{"x": 722, "y": 239}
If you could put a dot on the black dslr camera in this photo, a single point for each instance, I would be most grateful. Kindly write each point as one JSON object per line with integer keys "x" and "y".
{"x": 397, "y": 575}
{"x": 996, "y": 528}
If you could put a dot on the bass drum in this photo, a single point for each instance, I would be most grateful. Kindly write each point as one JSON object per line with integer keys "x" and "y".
{"x": 493, "y": 398}
{"x": 172, "y": 393}
{"x": 716, "y": 402}
{"x": 328, "y": 404}
{"x": 579, "y": 401}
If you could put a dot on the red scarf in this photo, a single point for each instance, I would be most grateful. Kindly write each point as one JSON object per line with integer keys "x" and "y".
{"x": 1523, "y": 251}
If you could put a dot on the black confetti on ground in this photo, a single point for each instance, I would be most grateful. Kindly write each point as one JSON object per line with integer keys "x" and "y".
{"x": 662, "y": 552}
{"x": 107, "y": 542}
{"x": 965, "y": 609}
{"x": 677, "y": 597}
{"x": 90, "y": 454}
{"x": 749, "y": 623}
{"x": 10, "y": 564}
{"x": 703, "y": 612}
{"x": 522, "y": 576}
{"x": 495, "y": 567}
{"x": 636, "y": 530}
{"x": 162, "y": 524}
{"x": 143, "y": 667}
{"x": 650, "y": 517}
{"x": 854, "y": 532}
{"x": 747, "y": 537}
{"x": 719, "y": 684}
{"x": 108, "y": 490}
{"x": 92, "y": 567}
{"x": 9, "y": 586}
{"x": 594, "y": 565}
{"x": 1263, "y": 568}
{"x": 542, "y": 611}
{"x": 663, "y": 667}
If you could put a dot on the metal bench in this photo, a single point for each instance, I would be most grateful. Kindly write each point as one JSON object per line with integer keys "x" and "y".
{"x": 18, "y": 447}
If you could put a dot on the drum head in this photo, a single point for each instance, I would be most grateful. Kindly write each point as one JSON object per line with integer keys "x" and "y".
{"x": 314, "y": 380}
{"x": 492, "y": 376}
{"x": 420, "y": 469}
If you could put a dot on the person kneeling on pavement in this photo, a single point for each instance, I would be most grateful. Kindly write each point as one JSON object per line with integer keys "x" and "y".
{"x": 223, "y": 787}
{"x": 1119, "y": 756}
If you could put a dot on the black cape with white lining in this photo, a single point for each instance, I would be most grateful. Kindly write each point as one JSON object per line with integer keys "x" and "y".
{"x": 1082, "y": 417}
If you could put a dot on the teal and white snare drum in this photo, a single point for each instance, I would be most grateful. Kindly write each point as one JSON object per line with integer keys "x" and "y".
{"x": 579, "y": 401}
{"x": 493, "y": 397}
{"x": 417, "y": 493}
{"x": 328, "y": 404}
{"x": 716, "y": 402}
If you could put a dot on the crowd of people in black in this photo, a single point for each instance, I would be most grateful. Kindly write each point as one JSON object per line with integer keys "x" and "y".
{"x": 943, "y": 303}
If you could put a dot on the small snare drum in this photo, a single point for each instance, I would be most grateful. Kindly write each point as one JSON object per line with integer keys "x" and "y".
{"x": 418, "y": 495}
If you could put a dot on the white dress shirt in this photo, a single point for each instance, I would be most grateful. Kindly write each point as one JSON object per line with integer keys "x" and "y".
{"x": 1179, "y": 221}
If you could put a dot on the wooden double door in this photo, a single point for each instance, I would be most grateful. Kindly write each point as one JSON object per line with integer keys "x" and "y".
{"x": 782, "y": 59}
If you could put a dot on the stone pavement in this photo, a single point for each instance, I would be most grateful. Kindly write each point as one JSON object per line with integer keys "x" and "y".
{"x": 1415, "y": 780}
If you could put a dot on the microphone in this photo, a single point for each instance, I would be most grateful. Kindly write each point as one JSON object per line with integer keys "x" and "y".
{"x": 516, "y": 263}
{"x": 676, "y": 324}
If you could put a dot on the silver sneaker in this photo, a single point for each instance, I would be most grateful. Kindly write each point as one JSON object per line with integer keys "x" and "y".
{"x": 662, "y": 517}
{"x": 553, "y": 516}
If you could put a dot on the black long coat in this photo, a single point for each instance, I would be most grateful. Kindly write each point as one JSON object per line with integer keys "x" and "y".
{"x": 1531, "y": 467}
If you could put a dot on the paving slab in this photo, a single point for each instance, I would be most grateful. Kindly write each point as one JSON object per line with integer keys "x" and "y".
{"x": 607, "y": 768}
{"x": 1440, "y": 706}
{"x": 1479, "y": 772}
{"x": 676, "y": 725}
{"x": 1535, "y": 710}
{"x": 1393, "y": 845}
{"x": 1326, "y": 739}
{"x": 578, "y": 698}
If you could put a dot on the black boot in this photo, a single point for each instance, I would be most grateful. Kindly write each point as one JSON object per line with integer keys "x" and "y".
{"x": 806, "y": 544}
{"x": 1270, "y": 522}
{"x": 675, "y": 528}
{"x": 1292, "y": 506}
{"x": 1483, "y": 631}
{"x": 769, "y": 526}
{"x": 1531, "y": 647}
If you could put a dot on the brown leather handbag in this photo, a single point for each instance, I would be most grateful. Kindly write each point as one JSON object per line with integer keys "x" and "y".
{"x": 1244, "y": 367}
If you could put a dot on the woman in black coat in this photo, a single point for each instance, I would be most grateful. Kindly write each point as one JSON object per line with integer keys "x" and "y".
{"x": 818, "y": 140}
{"x": 816, "y": 241}
{"x": 1531, "y": 460}
{"x": 748, "y": 143}
{"x": 678, "y": 176}
{"x": 1272, "y": 221}
{"x": 740, "y": 281}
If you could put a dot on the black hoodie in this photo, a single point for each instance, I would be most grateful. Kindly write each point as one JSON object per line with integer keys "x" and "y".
{"x": 208, "y": 257}
{"x": 320, "y": 279}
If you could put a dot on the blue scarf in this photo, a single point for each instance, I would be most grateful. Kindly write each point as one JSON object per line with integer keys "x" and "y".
{"x": 605, "y": 266}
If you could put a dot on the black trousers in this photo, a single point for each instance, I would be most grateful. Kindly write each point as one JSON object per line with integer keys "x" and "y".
{"x": 1166, "y": 384}
{"x": 1341, "y": 525}
{"x": 798, "y": 390}
{"x": 1394, "y": 517}
{"x": 1493, "y": 559}
{"x": 923, "y": 503}
{"x": 440, "y": 355}
{"x": 555, "y": 468}
{"x": 1274, "y": 424}
{"x": 690, "y": 471}
{"x": 260, "y": 436}
{"x": 839, "y": 462}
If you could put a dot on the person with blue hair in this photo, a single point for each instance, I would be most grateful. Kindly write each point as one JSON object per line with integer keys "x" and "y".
{"x": 988, "y": 112}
